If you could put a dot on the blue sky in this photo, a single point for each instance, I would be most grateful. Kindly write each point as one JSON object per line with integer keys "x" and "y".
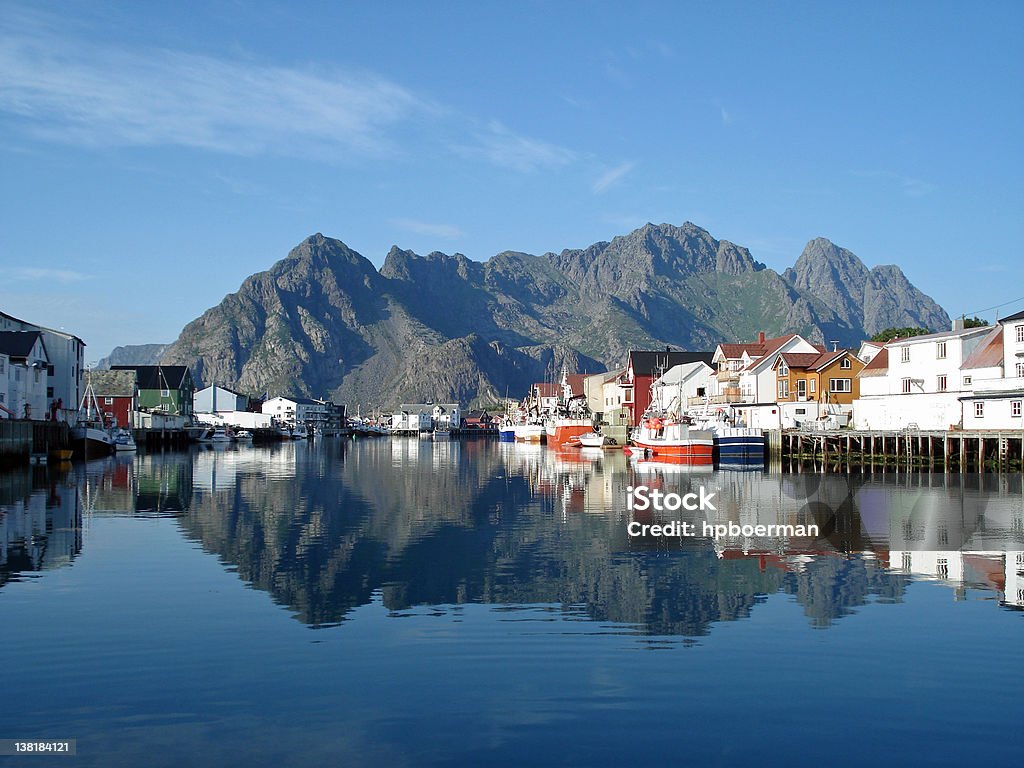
{"x": 153, "y": 155}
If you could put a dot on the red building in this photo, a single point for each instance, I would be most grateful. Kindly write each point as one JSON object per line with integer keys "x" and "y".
{"x": 117, "y": 394}
{"x": 643, "y": 368}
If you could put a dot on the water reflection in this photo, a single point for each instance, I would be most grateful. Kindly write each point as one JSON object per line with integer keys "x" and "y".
{"x": 325, "y": 527}
{"x": 40, "y": 521}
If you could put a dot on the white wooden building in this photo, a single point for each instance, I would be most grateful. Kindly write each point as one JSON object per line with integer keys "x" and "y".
{"x": 917, "y": 382}
{"x": 65, "y": 370}
{"x": 24, "y": 359}
{"x": 292, "y": 411}
{"x": 997, "y": 399}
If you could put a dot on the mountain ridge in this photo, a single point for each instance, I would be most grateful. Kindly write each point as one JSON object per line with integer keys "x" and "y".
{"x": 324, "y": 321}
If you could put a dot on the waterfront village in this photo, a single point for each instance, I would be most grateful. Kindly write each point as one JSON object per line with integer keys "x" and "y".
{"x": 954, "y": 383}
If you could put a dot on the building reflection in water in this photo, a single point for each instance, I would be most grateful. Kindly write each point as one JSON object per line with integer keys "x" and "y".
{"x": 324, "y": 527}
{"x": 40, "y": 520}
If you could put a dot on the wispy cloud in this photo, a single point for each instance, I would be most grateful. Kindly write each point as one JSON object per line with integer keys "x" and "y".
{"x": 908, "y": 185}
{"x": 62, "y": 88}
{"x": 611, "y": 177}
{"x": 727, "y": 117}
{"x": 79, "y": 93}
{"x": 62, "y": 276}
{"x": 497, "y": 144}
{"x": 445, "y": 231}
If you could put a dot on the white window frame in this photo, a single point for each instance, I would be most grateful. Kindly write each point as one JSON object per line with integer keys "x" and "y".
{"x": 967, "y": 381}
{"x": 1015, "y": 409}
{"x": 1020, "y": 334}
{"x": 811, "y": 385}
{"x": 905, "y": 354}
{"x": 979, "y": 409}
{"x": 783, "y": 389}
{"x": 848, "y": 383}
{"x": 783, "y": 368}
{"x": 845, "y": 364}
{"x": 905, "y": 386}
{"x": 940, "y": 350}
{"x": 1020, "y": 370}
{"x": 941, "y": 383}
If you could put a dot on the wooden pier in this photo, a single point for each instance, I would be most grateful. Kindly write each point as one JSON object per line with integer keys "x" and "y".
{"x": 906, "y": 450}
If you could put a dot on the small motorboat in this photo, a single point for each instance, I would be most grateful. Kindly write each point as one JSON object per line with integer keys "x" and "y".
{"x": 591, "y": 440}
{"x": 124, "y": 441}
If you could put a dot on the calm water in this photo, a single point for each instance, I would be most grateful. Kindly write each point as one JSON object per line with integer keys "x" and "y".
{"x": 402, "y": 603}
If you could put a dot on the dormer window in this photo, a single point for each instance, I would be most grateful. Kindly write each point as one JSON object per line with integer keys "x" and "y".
{"x": 845, "y": 364}
{"x": 783, "y": 368}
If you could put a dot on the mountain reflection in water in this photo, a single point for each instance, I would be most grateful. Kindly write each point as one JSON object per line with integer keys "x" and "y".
{"x": 325, "y": 527}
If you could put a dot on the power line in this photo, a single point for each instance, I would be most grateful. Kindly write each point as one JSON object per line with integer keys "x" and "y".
{"x": 997, "y": 306}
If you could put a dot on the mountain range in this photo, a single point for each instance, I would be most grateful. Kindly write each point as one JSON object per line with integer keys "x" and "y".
{"x": 325, "y": 322}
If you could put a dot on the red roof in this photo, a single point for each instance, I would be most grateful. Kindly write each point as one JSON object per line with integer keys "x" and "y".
{"x": 879, "y": 364}
{"x": 988, "y": 353}
{"x": 575, "y": 381}
{"x": 755, "y": 349}
{"x": 812, "y": 360}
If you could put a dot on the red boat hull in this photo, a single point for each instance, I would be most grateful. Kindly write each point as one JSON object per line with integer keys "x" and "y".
{"x": 694, "y": 452}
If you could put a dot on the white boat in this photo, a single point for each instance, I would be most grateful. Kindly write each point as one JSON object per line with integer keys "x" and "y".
{"x": 667, "y": 437}
{"x": 591, "y": 440}
{"x": 441, "y": 434}
{"x": 243, "y": 436}
{"x": 124, "y": 442}
{"x": 221, "y": 436}
{"x": 530, "y": 432}
{"x": 89, "y": 437}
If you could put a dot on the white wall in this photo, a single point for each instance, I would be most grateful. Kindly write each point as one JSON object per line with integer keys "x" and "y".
{"x": 927, "y": 411}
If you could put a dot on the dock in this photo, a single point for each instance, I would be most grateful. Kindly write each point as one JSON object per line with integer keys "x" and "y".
{"x": 909, "y": 450}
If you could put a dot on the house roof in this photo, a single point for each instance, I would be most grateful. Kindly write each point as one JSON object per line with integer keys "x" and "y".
{"x": 1011, "y": 318}
{"x": 18, "y": 343}
{"x": 113, "y": 383}
{"x": 988, "y": 353}
{"x": 649, "y": 363}
{"x": 157, "y": 376}
{"x": 680, "y": 373}
{"x": 813, "y": 361}
{"x": 774, "y": 345}
{"x": 575, "y": 382}
{"x": 224, "y": 389}
{"x": 543, "y": 389}
{"x": 65, "y": 334}
{"x": 754, "y": 349}
{"x": 940, "y": 335}
{"x": 879, "y": 364}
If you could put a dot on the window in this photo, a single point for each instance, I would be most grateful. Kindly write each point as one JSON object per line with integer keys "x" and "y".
{"x": 813, "y": 384}
{"x": 1020, "y": 334}
{"x": 3, "y": 396}
{"x": 979, "y": 409}
{"x": 940, "y": 350}
{"x": 49, "y": 370}
{"x": 801, "y": 411}
{"x": 1020, "y": 370}
{"x": 905, "y": 386}
{"x": 845, "y": 364}
{"x": 783, "y": 368}
{"x": 1015, "y": 409}
{"x": 783, "y": 389}
{"x": 108, "y": 401}
{"x": 49, "y": 392}
{"x": 1, "y": 365}
{"x": 165, "y": 393}
{"x": 839, "y": 385}
{"x": 905, "y": 354}
{"x": 967, "y": 381}
{"x": 940, "y": 384}
{"x": 627, "y": 396}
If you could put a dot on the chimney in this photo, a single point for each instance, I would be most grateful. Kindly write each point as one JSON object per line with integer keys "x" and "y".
{"x": 958, "y": 324}
{"x": 760, "y": 337}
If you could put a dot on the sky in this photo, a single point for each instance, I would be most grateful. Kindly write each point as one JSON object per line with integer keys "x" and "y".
{"x": 154, "y": 155}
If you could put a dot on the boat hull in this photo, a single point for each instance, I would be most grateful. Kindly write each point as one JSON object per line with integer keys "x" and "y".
{"x": 530, "y": 433}
{"x": 677, "y": 441}
{"x": 507, "y": 434}
{"x": 566, "y": 430}
{"x": 90, "y": 441}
